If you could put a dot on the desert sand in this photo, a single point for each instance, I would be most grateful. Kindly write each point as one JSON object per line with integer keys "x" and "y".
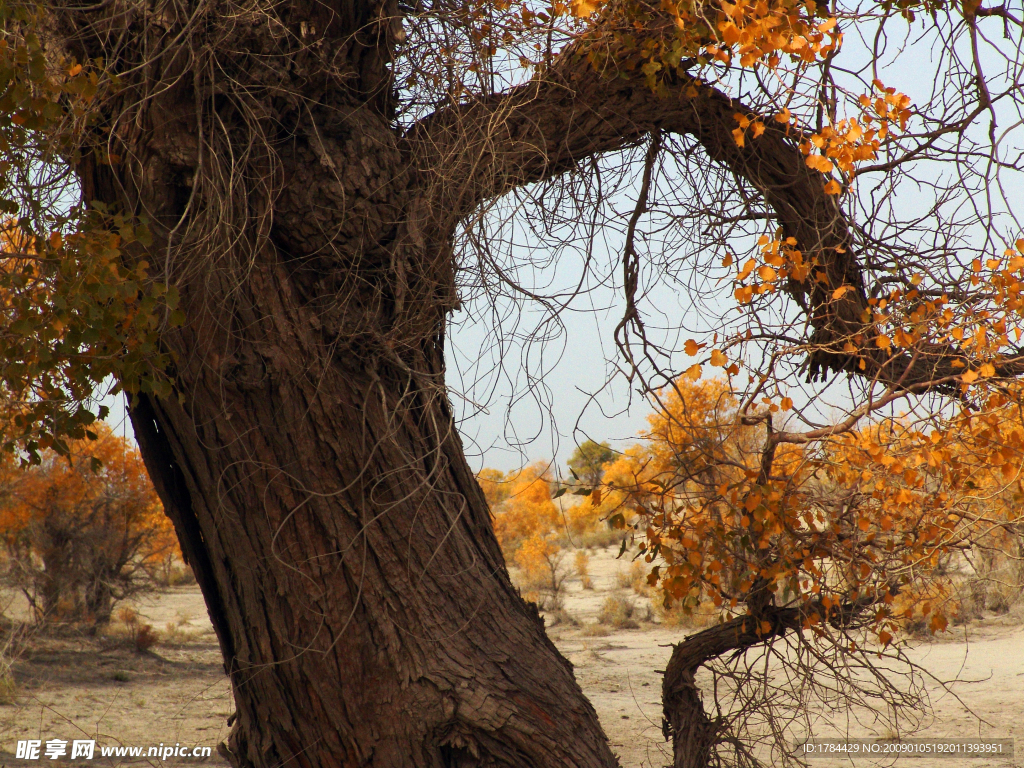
{"x": 100, "y": 688}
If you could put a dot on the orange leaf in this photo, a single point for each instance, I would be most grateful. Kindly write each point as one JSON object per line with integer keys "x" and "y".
{"x": 718, "y": 358}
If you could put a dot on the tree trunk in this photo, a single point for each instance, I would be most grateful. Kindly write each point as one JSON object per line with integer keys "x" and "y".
{"x": 307, "y": 456}
{"x": 347, "y": 557}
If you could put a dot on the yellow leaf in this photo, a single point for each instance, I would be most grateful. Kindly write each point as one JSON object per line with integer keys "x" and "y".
{"x": 718, "y": 358}
{"x": 693, "y": 372}
{"x": 839, "y": 292}
{"x": 916, "y": 279}
{"x": 819, "y": 163}
{"x": 783, "y": 116}
{"x": 737, "y": 135}
{"x": 583, "y": 8}
{"x": 987, "y": 370}
{"x": 969, "y": 376}
{"x": 730, "y": 33}
{"x": 883, "y": 342}
{"x": 757, "y": 128}
{"x": 55, "y": 240}
{"x": 767, "y": 274}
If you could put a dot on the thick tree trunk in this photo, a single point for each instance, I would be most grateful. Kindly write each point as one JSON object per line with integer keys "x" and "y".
{"x": 307, "y": 456}
{"x": 347, "y": 557}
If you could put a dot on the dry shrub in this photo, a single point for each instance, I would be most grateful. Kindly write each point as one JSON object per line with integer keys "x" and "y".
{"x": 634, "y": 578}
{"x": 145, "y": 637}
{"x": 562, "y": 617}
{"x": 674, "y": 615}
{"x": 8, "y": 687}
{"x": 142, "y": 635}
{"x": 618, "y": 612}
{"x": 601, "y": 537}
{"x": 595, "y": 630}
{"x": 583, "y": 569}
{"x": 176, "y": 634}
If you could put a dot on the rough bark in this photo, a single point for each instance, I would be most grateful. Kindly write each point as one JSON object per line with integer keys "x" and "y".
{"x": 359, "y": 595}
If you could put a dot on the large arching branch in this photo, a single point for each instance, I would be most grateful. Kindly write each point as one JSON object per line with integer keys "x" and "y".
{"x": 466, "y": 154}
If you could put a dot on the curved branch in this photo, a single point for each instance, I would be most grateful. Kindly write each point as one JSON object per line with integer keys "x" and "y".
{"x": 464, "y": 155}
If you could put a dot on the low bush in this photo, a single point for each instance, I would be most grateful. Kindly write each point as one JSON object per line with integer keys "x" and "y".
{"x": 618, "y": 612}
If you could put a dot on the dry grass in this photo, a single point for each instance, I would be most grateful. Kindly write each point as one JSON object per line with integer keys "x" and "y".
{"x": 704, "y": 615}
{"x": 635, "y": 578}
{"x": 619, "y": 612}
{"x": 583, "y": 569}
{"x": 141, "y": 635}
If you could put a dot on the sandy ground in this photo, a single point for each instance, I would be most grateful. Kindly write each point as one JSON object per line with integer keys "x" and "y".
{"x": 101, "y": 689}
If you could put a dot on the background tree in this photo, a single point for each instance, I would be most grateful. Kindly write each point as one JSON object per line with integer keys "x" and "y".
{"x": 84, "y": 530}
{"x": 588, "y": 460}
{"x": 324, "y": 184}
{"x": 819, "y": 552}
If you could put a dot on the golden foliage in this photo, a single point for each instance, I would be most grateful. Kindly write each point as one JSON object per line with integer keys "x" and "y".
{"x": 527, "y": 508}
{"x": 84, "y": 529}
{"x": 862, "y": 526}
